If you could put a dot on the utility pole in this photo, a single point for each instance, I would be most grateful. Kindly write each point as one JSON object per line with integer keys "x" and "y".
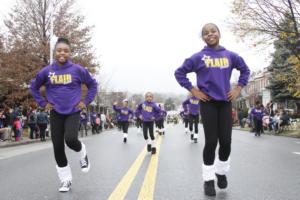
{"x": 53, "y": 38}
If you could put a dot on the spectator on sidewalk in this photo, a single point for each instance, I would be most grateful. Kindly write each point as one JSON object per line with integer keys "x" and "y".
{"x": 17, "y": 128}
{"x": 240, "y": 118}
{"x": 98, "y": 122}
{"x": 32, "y": 124}
{"x": 103, "y": 121}
{"x": 285, "y": 119}
{"x": 6, "y": 117}
{"x": 270, "y": 109}
{"x": 2, "y": 117}
{"x": 42, "y": 122}
{"x": 266, "y": 121}
{"x": 93, "y": 117}
{"x": 276, "y": 121}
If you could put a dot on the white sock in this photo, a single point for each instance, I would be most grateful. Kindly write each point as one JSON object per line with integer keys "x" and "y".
{"x": 153, "y": 143}
{"x": 149, "y": 141}
{"x": 125, "y": 135}
{"x": 64, "y": 173}
{"x": 222, "y": 167}
{"x": 82, "y": 152}
{"x": 208, "y": 172}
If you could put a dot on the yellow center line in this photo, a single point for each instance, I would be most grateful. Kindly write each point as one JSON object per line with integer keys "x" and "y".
{"x": 121, "y": 190}
{"x": 147, "y": 189}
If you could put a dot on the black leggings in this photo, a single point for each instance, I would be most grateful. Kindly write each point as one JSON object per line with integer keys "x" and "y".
{"x": 64, "y": 128}
{"x": 258, "y": 126}
{"x": 160, "y": 124}
{"x": 148, "y": 126}
{"x": 194, "y": 121}
{"x": 186, "y": 122}
{"x": 124, "y": 126}
{"x": 217, "y": 123}
{"x": 83, "y": 126}
{"x": 138, "y": 123}
{"x": 42, "y": 128}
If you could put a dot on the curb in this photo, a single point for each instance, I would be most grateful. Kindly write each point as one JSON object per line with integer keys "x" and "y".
{"x": 12, "y": 144}
{"x": 28, "y": 141}
{"x": 272, "y": 134}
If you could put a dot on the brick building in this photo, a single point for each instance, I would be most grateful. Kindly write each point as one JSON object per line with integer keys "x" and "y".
{"x": 255, "y": 90}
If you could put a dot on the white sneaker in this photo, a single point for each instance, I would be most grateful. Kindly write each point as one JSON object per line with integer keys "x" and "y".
{"x": 65, "y": 186}
{"x": 186, "y": 130}
{"x": 85, "y": 164}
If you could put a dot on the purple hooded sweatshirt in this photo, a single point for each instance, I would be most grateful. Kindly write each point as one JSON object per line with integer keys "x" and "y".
{"x": 193, "y": 105}
{"x": 63, "y": 86}
{"x": 257, "y": 114}
{"x": 148, "y": 111}
{"x": 83, "y": 117}
{"x": 213, "y": 69}
{"x": 161, "y": 115}
{"x": 137, "y": 113}
{"x": 124, "y": 113}
{"x": 183, "y": 114}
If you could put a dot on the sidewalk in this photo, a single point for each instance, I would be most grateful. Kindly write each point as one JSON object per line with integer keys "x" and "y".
{"x": 23, "y": 141}
{"x": 290, "y": 133}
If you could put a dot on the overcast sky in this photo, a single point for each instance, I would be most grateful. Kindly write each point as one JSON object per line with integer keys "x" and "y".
{"x": 140, "y": 43}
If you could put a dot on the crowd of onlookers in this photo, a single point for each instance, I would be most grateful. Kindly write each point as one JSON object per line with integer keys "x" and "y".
{"x": 260, "y": 118}
{"x": 96, "y": 121}
{"x": 14, "y": 122}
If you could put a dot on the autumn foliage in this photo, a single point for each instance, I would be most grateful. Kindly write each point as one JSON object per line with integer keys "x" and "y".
{"x": 24, "y": 48}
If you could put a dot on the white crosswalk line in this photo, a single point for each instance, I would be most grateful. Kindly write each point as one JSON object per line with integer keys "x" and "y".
{"x": 298, "y": 153}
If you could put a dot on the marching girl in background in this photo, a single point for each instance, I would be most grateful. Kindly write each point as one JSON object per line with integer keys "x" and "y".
{"x": 185, "y": 117}
{"x": 193, "y": 107}
{"x": 125, "y": 115}
{"x": 138, "y": 121}
{"x": 160, "y": 118}
{"x": 147, "y": 112}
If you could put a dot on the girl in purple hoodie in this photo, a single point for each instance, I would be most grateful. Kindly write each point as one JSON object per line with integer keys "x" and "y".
{"x": 193, "y": 106}
{"x": 125, "y": 116}
{"x": 213, "y": 66}
{"x": 147, "y": 112}
{"x": 160, "y": 119}
{"x": 62, "y": 80}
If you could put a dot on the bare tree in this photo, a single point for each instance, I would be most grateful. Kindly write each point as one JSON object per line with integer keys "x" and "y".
{"x": 28, "y": 41}
{"x": 262, "y": 20}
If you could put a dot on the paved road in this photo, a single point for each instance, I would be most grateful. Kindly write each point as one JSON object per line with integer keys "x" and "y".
{"x": 265, "y": 168}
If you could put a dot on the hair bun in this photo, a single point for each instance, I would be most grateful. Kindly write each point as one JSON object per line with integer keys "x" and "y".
{"x": 63, "y": 40}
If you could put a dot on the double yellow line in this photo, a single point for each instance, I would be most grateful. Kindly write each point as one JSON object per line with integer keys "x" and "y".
{"x": 147, "y": 189}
